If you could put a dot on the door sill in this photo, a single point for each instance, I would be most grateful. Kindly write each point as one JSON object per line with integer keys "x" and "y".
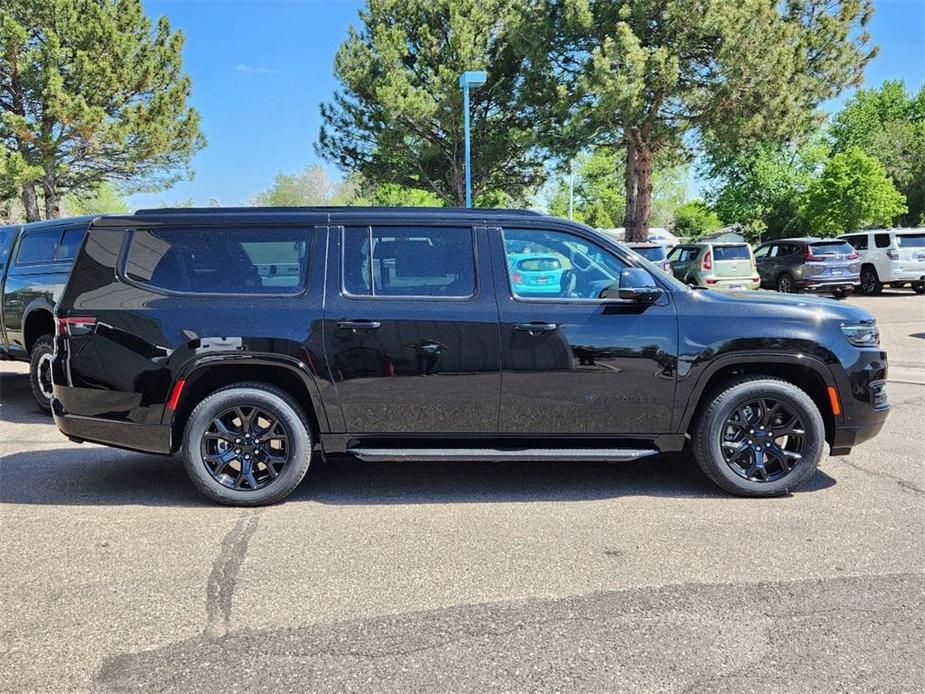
{"x": 380, "y": 455}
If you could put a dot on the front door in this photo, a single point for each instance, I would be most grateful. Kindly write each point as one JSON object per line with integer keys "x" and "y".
{"x": 411, "y": 330}
{"x": 574, "y": 364}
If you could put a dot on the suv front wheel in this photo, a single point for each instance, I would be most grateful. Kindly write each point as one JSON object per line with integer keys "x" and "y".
{"x": 759, "y": 436}
{"x": 247, "y": 445}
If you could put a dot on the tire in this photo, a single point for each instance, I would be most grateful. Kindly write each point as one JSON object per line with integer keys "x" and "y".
{"x": 785, "y": 284}
{"x": 870, "y": 281}
{"x": 40, "y": 371}
{"x": 712, "y": 429}
{"x": 841, "y": 293}
{"x": 206, "y": 447}
{"x": 918, "y": 287}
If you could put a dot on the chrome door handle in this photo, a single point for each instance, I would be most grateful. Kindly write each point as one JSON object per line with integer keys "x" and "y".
{"x": 535, "y": 328}
{"x": 358, "y": 326}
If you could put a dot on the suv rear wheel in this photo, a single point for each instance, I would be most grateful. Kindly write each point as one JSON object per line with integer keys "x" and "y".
{"x": 40, "y": 371}
{"x": 870, "y": 281}
{"x": 918, "y": 287}
{"x": 247, "y": 445}
{"x": 759, "y": 436}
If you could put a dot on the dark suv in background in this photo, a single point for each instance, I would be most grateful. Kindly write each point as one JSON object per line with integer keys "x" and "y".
{"x": 35, "y": 261}
{"x": 808, "y": 264}
{"x": 253, "y": 340}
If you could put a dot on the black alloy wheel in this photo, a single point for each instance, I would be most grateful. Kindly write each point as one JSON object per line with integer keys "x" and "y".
{"x": 762, "y": 440}
{"x": 245, "y": 447}
{"x": 785, "y": 284}
{"x": 870, "y": 282}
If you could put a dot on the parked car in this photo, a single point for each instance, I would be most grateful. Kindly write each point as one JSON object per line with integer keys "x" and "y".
{"x": 403, "y": 337}
{"x": 890, "y": 256}
{"x": 654, "y": 253}
{"x": 715, "y": 265}
{"x": 35, "y": 261}
{"x": 535, "y": 273}
{"x": 808, "y": 264}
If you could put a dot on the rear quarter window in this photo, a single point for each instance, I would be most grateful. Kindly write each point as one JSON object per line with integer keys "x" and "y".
{"x": 219, "y": 261}
{"x": 731, "y": 252}
{"x": 37, "y": 247}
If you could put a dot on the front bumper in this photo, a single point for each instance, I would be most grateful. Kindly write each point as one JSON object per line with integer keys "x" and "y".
{"x": 862, "y": 391}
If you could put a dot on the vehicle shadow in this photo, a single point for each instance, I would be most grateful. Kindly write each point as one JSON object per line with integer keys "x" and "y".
{"x": 17, "y": 405}
{"x": 90, "y": 476}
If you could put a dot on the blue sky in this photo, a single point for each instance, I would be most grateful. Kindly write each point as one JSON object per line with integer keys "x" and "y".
{"x": 261, "y": 68}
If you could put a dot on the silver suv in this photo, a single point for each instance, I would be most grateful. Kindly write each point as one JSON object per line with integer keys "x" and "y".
{"x": 808, "y": 264}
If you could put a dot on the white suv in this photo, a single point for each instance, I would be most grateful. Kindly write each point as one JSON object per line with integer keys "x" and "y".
{"x": 890, "y": 256}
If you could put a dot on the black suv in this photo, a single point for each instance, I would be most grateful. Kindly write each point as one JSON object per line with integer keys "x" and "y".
{"x": 35, "y": 261}
{"x": 254, "y": 339}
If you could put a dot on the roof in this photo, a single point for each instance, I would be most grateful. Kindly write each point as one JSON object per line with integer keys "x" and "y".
{"x": 63, "y": 221}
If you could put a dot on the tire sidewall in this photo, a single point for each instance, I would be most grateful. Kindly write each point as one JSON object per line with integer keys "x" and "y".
{"x": 788, "y": 289}
{"x": 794, "y": 398}
{"x": 216, "y": 403}
{"x": 44, "y": 346}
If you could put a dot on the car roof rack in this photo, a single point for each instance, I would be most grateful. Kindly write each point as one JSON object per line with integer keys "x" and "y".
{"x": 341, "y": 209}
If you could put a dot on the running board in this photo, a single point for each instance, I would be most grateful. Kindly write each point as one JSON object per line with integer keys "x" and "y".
{"x": 610, "y": 455}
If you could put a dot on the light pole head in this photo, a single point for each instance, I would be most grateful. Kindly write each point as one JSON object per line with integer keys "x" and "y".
{"x": 472, "y": 79}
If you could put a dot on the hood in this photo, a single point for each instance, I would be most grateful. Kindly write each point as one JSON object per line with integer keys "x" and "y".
{"x": 765, "y": 303}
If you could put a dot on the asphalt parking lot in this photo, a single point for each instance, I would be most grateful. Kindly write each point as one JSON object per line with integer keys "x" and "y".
{"x": 641, "y": 576}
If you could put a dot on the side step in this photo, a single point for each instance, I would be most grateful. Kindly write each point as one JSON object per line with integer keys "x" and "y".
{"x": 381, "y": 455}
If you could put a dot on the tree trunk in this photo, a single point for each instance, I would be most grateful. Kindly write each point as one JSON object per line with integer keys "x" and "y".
{"x": 638, "y": 191}
{"x": 52, "y": 202}
{"x": 30, "y": 201}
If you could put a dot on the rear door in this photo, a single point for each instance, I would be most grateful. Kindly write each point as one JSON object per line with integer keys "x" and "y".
{"x": 764, "y": 261}
{"x": 732, "y": 261}
{"x": 411, "y": 329}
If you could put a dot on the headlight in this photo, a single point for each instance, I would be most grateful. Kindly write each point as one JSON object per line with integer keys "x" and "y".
{"x": 864, "y": 334}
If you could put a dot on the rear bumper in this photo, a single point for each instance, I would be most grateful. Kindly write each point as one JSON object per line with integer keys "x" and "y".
{"x": 828, "y": 285}
{"x": 732, "y": 284}
{"x": 147, "y": 438}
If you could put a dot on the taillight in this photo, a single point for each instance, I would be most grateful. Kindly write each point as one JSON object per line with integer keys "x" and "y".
{"x": 72, "y": 326}
{"x": 854, "y": 255}
{"x": 666, "y": 266}
{"x": 892, "y": 254}
{"x": 810, "y": 258}
{"x": 517, "y": 278}
{"x": 707, "y": 263}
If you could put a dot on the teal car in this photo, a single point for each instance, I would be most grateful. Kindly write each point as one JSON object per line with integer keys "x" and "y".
{"x": 535, "y": 273}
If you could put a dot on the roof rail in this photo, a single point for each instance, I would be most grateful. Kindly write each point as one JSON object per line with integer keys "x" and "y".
{"x": 339, "y": 209}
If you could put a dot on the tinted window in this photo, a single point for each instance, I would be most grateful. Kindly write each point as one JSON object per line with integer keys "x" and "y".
{"x": 540, "y": 264}
{"x": 37, "y": 247}
{"x": 730, "y": 252}
{"x": 6, "y": 240}
{"x": 584, "y": 268}
{"x": 409, "y": 261}
{"x": 653, "y": 253}
{"x": 882, "y": 240}
{"x": 831, "y": 248}
{"x": 910, "y": 240}
{"x": 858, "y": 242}
{"x": 70, "y": 242}
{"x": 223, "y": 261}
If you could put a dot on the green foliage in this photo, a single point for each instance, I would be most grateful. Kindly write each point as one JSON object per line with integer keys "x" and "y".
{"x": 310, "y": 187}
{"x": 390, "y": 194}
{"x": 644, "y": 75}
{"x": 852, "y": 192}
{"x": 398, "y": 117}
{"x": 91, "y": 92}
{"x": 104, "y": 200}
{"x": 888, "y": 124}
{"x": 694, "y": 219}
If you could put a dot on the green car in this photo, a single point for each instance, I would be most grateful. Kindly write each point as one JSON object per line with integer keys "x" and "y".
{"x": 715, "y": 265}
{"x": 535, "y": 273}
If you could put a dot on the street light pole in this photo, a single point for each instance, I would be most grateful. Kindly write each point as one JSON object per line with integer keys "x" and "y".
{"x": 469, "y": 79}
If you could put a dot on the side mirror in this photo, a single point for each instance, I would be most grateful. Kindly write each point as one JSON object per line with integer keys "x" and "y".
{"x": 635, "y": 285}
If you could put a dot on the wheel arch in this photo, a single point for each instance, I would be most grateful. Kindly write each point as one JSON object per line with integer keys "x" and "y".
{"x": 807, "y": 373}
{"x": 38, "y": 320}
{"x": 205, "y": 377}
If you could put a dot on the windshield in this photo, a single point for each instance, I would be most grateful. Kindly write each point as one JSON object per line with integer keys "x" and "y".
{"x": 654, "y": 253}
{"x": 6, "y": 240}
{"x": 731, "y": 252}
{"x": 910, "y": 240}
{"x": 831, "y": 248}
